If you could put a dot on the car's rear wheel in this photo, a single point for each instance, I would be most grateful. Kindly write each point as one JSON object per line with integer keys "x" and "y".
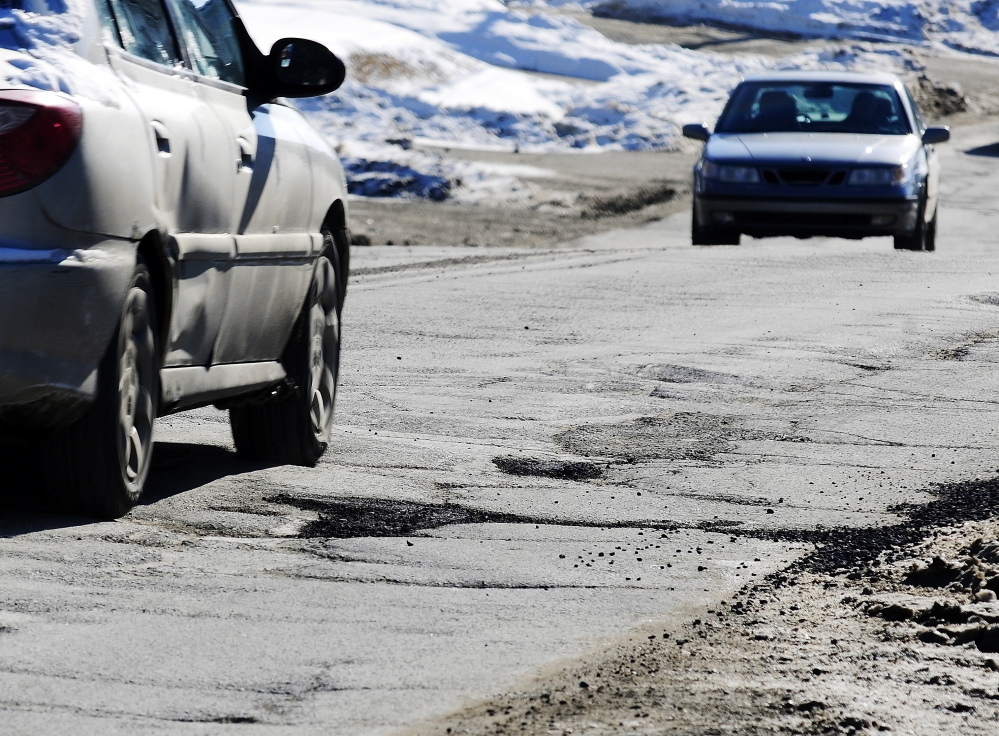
{"x": 701, "y": 235}
{"x": 293, "y": 425}
{"x": 98, "y": 465}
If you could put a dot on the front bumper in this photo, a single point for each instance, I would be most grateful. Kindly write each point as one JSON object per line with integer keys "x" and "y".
{"x": 58, "y": 312}
{"x": 762, "y": 217}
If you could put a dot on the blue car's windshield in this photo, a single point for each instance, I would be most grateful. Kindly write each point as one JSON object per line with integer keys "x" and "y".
{"x": 814, "y": 107}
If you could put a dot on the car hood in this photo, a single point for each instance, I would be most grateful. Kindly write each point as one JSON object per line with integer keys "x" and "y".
{"x": 786, "y": 148}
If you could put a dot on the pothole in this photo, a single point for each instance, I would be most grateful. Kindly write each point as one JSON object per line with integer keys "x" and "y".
{"x": 961, "y": 349}
{"x": 990, "y": 299}
{"x": 352, "y": 518}
{"x": 679, "y": 436}
{"x": 577, "y": 470}
{"x": 349, "y": 518}
{"x": 870, "y": 367}
{"x": 683, "y": 374}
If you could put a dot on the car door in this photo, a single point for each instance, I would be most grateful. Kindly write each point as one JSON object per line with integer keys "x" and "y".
{"x": 272, "y": 199}
{"x": 193, "y": 187}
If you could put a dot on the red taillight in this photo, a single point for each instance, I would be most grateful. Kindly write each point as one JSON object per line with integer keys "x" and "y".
{"x": 38, "y": 133}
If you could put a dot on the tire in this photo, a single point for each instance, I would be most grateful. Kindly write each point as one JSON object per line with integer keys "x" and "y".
{"x": 709, "y": 235}
{"x": 293, "y": 425}
{"x": 98, "y": 465}
{"x": 931, "y": 232}
{"x": 924, "y": 237}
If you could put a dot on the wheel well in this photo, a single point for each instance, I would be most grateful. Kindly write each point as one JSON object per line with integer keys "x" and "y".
{"x": 161, "y": 273}
{"x": 336, "y": 217}
{"x": 336, "y": 223}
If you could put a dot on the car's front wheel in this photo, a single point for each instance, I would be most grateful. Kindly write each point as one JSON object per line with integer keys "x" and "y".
{"x": 293, "y": 425}
{"x": 702, "y": 235}
{"x": 924, "y": 237}
{"x": 98, "y": 465}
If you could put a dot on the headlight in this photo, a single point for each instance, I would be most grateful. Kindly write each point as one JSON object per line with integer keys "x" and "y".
{"x": 879, "y": 177}
{"x": 730, "y": 174}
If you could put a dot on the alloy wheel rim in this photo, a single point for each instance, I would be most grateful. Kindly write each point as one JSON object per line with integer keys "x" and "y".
{"x": 135, "y": 388}
{"x": 322, "y": 379}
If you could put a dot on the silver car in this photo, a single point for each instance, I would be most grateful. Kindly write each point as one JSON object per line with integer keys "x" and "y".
{"x": 818, "y": 153}
{"x": 173, "y": 234}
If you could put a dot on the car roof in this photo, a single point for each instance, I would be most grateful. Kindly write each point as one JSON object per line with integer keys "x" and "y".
{"x": 854, "y": 77}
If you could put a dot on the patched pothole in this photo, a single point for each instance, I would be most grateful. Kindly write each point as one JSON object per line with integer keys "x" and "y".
{"x": 961, "y": 349}
{"x": 679, "y": 436}
{"x": 990, "y": 299}
{"x": 682, "y": 374}
{"x": 349, "y": 518}
{"x": 353, "y": 517}
{"x": 577, "y": 470}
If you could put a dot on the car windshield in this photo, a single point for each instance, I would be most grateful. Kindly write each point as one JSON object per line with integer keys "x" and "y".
{"x": 814, "y": 107}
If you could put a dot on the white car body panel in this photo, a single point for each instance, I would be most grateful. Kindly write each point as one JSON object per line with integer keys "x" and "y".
{"x": 231, "y": 199}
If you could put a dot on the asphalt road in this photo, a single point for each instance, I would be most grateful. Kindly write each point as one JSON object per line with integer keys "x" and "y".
{"x": 691, "y": 405}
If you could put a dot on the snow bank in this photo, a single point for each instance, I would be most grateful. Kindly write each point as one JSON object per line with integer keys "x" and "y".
{"x": 967, "y": 25}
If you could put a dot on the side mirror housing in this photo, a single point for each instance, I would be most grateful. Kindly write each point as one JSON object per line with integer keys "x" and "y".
{"x": 303, "y": 68}
{"x": 696, "y": 131}
{"x": 936, "y": 135}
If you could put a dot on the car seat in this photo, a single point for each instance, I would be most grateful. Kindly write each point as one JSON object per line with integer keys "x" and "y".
{"x": 778, "y": 113}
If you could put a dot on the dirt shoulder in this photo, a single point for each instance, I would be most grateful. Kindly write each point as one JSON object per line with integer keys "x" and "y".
{"x": 871, "y": 634}
{"x": 572, "y": 196}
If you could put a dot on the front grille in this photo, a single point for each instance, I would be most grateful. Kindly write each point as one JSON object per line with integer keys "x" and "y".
{"x": 804, "y": 177}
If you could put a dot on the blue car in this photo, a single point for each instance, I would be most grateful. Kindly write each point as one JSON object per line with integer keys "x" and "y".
{"x": 818, "y": 154}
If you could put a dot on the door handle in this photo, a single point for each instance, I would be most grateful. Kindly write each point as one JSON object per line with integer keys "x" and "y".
{"x": 162, "y": 136}
{"x": 245, "y": 154}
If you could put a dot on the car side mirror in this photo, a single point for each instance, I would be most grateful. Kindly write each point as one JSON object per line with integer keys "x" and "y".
{"x": 303, "y": 68}
{"x": 696, "y": 131}
{"x": 936, "y": 135}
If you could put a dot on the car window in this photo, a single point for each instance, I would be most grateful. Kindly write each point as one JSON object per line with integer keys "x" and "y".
{"x": 207, "y": 34}
{"x": 109, "y": 28}
{"x": 814, "y": 107}
{"x": 145, "y": 30}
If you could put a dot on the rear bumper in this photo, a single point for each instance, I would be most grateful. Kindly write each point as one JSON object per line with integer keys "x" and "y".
{"x": 804, "y": 218}
{"x": 58, "y": 312}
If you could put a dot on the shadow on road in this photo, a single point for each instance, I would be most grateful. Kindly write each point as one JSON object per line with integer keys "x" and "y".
{"x": 991, "y": 151}
{"x": 178, "y": 467}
